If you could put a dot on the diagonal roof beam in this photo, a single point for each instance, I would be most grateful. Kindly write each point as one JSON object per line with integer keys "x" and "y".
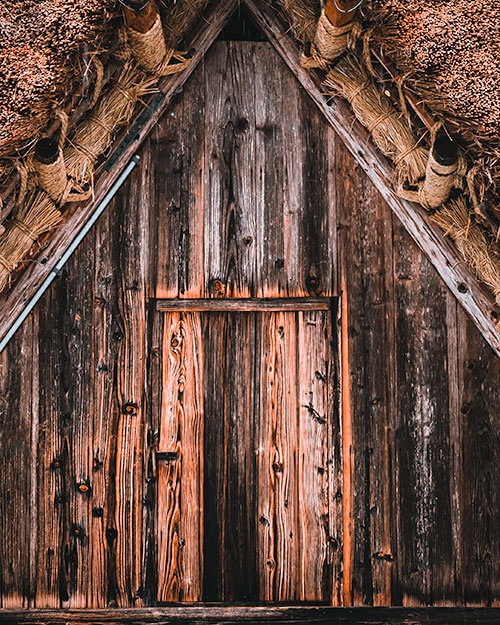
{"x": 37, "y": 270}
{"x": 445, "y": 258}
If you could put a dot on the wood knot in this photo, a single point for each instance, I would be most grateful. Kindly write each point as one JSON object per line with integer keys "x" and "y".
{"x": 278, "y": 467}
{"x": 111, "y": 534}
{"x": 60, "y": 499}
{"x": 83, "y": 487}
{"x": 129, "y": 408}
{"x": 380, "y": 555}
{"x": 217, "y": 288}
{"x": 312, "y": 284}
{"x": 57, "y": 463}
{"x": 77, "y": 531}
{"x": 97, "y": 512}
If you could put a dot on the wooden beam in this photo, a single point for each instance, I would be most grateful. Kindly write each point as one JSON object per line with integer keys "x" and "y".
{"x": 230, "y": 615}
{"x": 445, "y": 258}
{"x": 37, "y": 269}
{"x": 244, "y": 304}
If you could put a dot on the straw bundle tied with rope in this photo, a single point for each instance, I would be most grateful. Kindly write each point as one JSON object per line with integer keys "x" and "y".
{"x": 391, "y": 134}
{"x": 329, "y": 43}
{"x": 455, "y": 221}
{"x": 151, "y": 52}
{"x": 36, "y": 215}
{"x": 94, "y": 135}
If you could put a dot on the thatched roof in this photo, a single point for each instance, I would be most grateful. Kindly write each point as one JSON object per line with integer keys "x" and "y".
{"x": 41, "y": 44}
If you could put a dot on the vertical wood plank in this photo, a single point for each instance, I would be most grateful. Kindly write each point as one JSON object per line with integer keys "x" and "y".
{"x": 18, "y": 426}
{"x": 314, "y": 366}
{"x": 269, "y": 173}
{"x": 104, "y": 411}
{"x": 229, "y": 562}
{"x": 479, "y": 417}
{"x": 230, "y": 217}
{"x": 277, "y": 459}
{"x": 180, "y": 460}
{"x": 125, "y": 535}
{"x": 178, "y": 173}
{"x": 426, "y": 566}
{"x": 365, "y": 254}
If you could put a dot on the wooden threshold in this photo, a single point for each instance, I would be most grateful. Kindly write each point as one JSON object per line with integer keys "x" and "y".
{"x": 479, "y": 304}
{"x": 229, "y": 615}
{"x": 244, "y": 304}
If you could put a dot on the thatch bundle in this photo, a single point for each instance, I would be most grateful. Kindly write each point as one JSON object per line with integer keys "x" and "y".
{"x": 390, "y": 132}
{"x": 456, "y": 221}
{"x": 37, "y": 214}
{"x": 95, "y": 133}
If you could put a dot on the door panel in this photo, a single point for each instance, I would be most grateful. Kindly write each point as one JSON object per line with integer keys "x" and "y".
{"x": 244, "y": 457}
{"x": 180, "y": 460}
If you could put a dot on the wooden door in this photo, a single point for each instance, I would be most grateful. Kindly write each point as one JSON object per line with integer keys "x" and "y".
{"x": 244, "y": 456}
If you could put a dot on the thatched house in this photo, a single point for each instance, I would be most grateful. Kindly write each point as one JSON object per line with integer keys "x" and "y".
{"x": 249, "y": 331}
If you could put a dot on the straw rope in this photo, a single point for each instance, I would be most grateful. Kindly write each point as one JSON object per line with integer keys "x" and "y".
{"x": 329, "y": 43}
{"x": 52, "y": 177}
{"x": 151, "y": 53}
{"x": 350, "y": 80}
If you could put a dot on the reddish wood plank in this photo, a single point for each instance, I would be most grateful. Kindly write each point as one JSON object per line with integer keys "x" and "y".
{"x": 315, "y": 415}
{"x": 180, "y": 461}
{"x": 18, "y": 437}
{"x": 281, "y": 577}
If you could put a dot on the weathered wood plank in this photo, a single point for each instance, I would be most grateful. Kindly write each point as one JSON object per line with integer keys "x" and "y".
{"x": 269, "y": 173}
{"x": 229, "y": 549}
{"x": 104, "y": 409}
{"x": 125, "y": 535}
{"x": 422, "y": 462}
{"x": 439, "y": 251}
{"x": 479, "y": 417}
{"x": 315, "y": 413}
{"x": 252, "y": 614}
{"x": 18, "y": 436}
{"x": 180, "y": 461}
{"x": 365, "y": 240}
{"x": 244, "y": 304}
{"x": 232, "y": 262}
{"x": 277, "y": 459}
{"x": 179, "y": 172}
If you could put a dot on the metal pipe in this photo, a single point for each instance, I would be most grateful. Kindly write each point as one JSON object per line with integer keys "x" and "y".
{"x": 69, "y": 251}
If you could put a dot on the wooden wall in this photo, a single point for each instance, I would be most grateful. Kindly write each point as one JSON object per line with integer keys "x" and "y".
{"x": 418, "y": 498}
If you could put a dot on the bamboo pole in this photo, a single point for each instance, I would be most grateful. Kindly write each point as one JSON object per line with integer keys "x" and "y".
{"x": 140, "y": 14}
{"x": 333, "y": 31}
{"x": 341, "y": 12}
{"x": 49, "y": 164}
{"x": 441, "y": 172}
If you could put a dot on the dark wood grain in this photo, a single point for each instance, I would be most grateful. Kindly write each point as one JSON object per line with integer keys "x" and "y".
{"x": 248, "y": 614}
{"x": 365, "y": 265}
{"x": 245, "y": 304}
